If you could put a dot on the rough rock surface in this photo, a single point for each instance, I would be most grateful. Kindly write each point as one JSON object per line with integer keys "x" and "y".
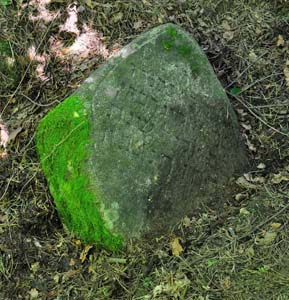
{"x": 147, "y": 139}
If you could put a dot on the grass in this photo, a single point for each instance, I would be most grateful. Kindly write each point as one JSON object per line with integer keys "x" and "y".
{"x": 239, "y": 254}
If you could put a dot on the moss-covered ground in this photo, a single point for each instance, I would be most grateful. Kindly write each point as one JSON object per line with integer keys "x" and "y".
{"x": 239, "y": 254}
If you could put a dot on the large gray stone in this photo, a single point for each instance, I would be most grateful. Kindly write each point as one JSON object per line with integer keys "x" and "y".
{"x": 162, "y": 139}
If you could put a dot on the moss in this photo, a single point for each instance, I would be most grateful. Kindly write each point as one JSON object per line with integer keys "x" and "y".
{"x": 177, "y": 42}
{"x": 62, "y": 141}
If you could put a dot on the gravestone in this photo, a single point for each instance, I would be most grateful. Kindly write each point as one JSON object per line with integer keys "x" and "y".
{"x": 148, "y": 138}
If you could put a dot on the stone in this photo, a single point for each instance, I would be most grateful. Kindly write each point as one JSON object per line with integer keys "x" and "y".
{"x": 147, "y": 139}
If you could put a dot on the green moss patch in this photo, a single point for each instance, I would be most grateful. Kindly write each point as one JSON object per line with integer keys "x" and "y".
{"x": 175, "y": 41}
{"x": 62, "y": 143}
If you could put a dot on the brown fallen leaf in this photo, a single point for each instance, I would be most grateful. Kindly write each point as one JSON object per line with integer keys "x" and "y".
{"x": 84, "y": 253}
{"x": 275, "y": 226}
{"x": 13, "y": 134}
{"x": 33, "y": 293}
{"x": 245, "y": 184}
{"x": 267, "y": 238}
{"x": 72, "y": 262}
{"x": 278, "y": 178}
{"x": 226, "y": 25}
{"x": 186, "y": 221}
{"x": 286, "y": 73}
{"x": 176, "y": 247}
{"x": 228, "y": 35}
{"x": 280, "y": 41}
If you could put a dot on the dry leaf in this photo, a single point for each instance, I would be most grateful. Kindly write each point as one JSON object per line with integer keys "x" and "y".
{"x": 245, "y": 184}
{"x": 261, "y": 166}
{"x": 89, "y": 3}
{"x": 77, "y": 243}
{"x": 267, "y": 239}
{"x": 251, "y": 146}
{"x": 280, "y": 41}
{"x": 34, "y": 267}
{"x": 286, "y": 74}
{"x": 278, "y": 178}
{"x": 244, "y": 211}
{"x": 252, "y": 56}
{"x": 276, "y": 226}
{"x": 186, "y": 221}
{"x": 228, "y": 35}
{"x": 226, "y": 25}
{"x": 33, "y": 293}
{"x": 176, "y": 247}
{"x": 56, "y": 278}
{"x": 147, "y": 3}
{"x": 259, "y": 179}
{"x": 246, "y": 126}
{"x": 14, "y": 134}
{"x": 91, "y": 269}
{"x": 241, "y": 196}
{"x": 84, "y": 253}
{"x": 137, "y": 25}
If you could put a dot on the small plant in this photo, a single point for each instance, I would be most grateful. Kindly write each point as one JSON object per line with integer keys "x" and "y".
{"x": 147, "y": 282}
{"x": 235, "y": 91}
{"x": 263, "y": 269}
{"x": 212, "y": 262}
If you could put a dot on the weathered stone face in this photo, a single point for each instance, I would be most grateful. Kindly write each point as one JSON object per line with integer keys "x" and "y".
{"x": 147, "y": 139}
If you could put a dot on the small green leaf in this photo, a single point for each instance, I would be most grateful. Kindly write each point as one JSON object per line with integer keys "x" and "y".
{"x": 212, "y": 262}
{"x": 235, "y": 91}
{"x": 263, "y": 269}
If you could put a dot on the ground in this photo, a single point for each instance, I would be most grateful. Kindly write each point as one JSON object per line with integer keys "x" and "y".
{"x": 239, "y": 254}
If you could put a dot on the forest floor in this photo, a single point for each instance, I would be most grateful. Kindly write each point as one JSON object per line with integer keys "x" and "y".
{"x": 47, "y": 48}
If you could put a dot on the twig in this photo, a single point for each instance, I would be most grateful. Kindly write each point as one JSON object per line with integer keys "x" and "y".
{"x": 258, "y": 117}
{"x": 244, "y": 71}
{"x": 7, "y": 186}
{"x": 265, "y": 222}
{"x": 257, "y": 81}
{"x": 38, "y": 104}
{"x": 26, "y": 70}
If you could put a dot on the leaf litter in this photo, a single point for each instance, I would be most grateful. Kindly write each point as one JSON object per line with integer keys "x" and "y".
{"x": 248, "y": 239}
